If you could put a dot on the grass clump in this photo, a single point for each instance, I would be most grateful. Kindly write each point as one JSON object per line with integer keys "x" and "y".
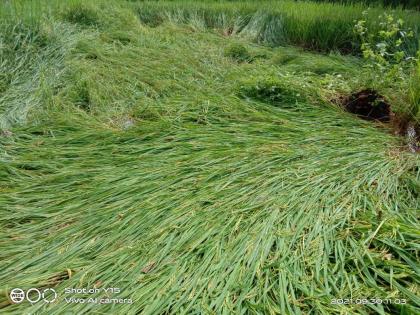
{"x": 149, "y": 17}
{"x": 80, "y": 95}
{"x": 271, "y": 90}
{"x": 239, "y": 53}
{"x": 19, "y": 44}
{"x": 83, "y": 14}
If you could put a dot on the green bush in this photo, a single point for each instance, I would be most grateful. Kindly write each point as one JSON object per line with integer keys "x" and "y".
{"x": 390, "y": 65}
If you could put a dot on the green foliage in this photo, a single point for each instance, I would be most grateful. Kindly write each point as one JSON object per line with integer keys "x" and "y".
{"x": 31, "y": 62}
{"x": 83, "y": 14}
{"x": 321, "y": 27}
{"x": 385, "y": 46}
{"x": 80, "y": 95}
{"x": 238, "y": 52}
{"x": 191, "y": 199}
{"x": 390, "y": 64}
{"x": 149, "y": 17}
{"x": 271, "y": 90}
{"x": 414, "y": 4}
{"x": 414, "y": 92}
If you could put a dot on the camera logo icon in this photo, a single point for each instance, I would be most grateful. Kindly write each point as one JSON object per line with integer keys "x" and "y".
{"x": 17, "y": 295}
{"x": 33, "y": 295}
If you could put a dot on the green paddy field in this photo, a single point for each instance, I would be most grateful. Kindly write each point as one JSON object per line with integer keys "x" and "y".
{"x": 196, "y": 156}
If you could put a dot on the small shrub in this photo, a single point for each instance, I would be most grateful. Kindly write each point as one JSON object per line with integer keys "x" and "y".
{"x": 238, "y": 52}
{"x": 392, "y": 67}
{"x": 384, "y": 49}
{"x": 270, "y": 90}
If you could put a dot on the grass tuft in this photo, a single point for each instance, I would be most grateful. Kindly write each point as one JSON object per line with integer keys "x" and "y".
{"x": 271, "y": 90}
{"x": 239, "y": 53}
{"x": 82, "y": 14}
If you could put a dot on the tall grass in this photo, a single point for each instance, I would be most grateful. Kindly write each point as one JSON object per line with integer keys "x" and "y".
{"x": 316, "y": 26}
{"x": 414, "y": 4}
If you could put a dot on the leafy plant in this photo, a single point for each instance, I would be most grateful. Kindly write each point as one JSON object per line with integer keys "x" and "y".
{"x": 414, "y": 91}
{"x": 384, "y": 48}
{"x": 392, "y": 68}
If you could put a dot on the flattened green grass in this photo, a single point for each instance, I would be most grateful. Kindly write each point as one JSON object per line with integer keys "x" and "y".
{"x": 147, "y": 169}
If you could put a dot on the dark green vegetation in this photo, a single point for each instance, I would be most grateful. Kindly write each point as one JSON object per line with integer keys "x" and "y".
{"x": 316, "y": 26}
{"x": 414, "y": 4}
{"x": 152, "y": 148}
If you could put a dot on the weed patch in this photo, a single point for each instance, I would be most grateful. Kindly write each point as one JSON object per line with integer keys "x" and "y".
{"x": 270, "y": 90}
{"x": 309, "y": 25}
{"x": 239, "y": 53}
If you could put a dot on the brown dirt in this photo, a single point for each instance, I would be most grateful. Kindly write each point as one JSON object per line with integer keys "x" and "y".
{"x": 369, "y": 105}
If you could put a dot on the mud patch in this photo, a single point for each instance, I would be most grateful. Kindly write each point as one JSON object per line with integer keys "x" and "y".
{"x": 368, "y": 105}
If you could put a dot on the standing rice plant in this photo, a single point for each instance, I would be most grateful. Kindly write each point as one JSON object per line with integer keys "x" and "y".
{"x": 322, "y": 27}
